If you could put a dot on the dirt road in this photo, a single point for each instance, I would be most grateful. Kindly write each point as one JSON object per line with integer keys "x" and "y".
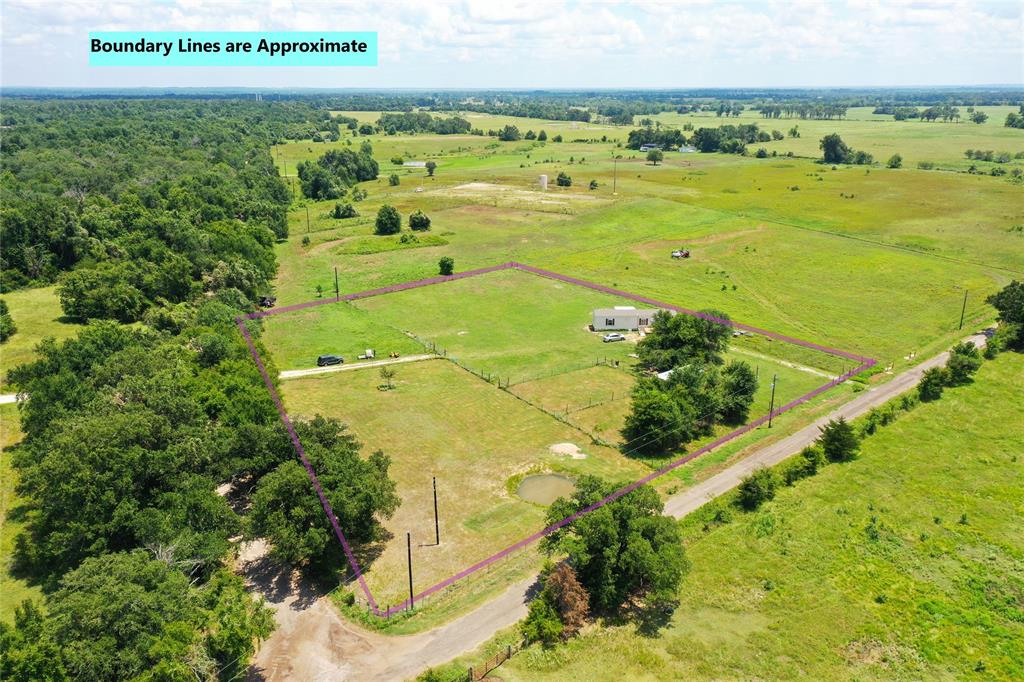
{"x": 312, "y": 642}
{"x": 293, "y": 373}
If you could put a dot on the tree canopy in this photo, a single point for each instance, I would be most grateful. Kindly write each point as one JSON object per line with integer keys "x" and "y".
{"x": 625, "y": 548}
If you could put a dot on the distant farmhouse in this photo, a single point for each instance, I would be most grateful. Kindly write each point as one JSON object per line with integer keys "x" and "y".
{"x": 622, "y": 317}
{"x": 415, "y": 164}
{"x": 649, "y": 147}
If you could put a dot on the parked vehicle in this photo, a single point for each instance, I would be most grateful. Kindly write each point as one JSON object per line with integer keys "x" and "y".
{"x": 325, "y": 360}
{"x": 614, "y": 336}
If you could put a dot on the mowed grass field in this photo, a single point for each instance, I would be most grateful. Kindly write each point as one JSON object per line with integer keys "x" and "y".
{"x": 905, "y": 564}
{"x": 37, "y": 315}
{"x": 442, "y": 421}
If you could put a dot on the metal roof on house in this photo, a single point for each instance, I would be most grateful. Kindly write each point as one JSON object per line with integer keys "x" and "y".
{"x": 612, "y": 312}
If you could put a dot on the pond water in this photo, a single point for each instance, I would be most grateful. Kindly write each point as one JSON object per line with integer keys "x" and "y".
{"x": 545, "y": 488}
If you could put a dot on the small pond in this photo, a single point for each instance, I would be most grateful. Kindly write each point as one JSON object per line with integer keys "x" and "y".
{"x": 545, "y": 488}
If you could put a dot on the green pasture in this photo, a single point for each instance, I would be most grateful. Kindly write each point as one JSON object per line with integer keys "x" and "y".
{"x": 37, "y": 314}
{"x": 905, "y": 564}
{"x": 872, "y": 260}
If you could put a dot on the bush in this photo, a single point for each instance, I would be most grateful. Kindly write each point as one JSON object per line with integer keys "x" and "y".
{"x": 342, "y": 211}
{"x": 806, "y": 465}
{"x": 838, "y": 441}
{"x": 394, "y": 180}
{"x": 762, "y": 153}
{"x": 563, "y": 180}
{"x": 758, "y": 488}
{"x": 542, "y": 623}
{"x": 964, "y": 361}
{"x": 388, "y": 220}
{"x": 446, "y": 265}
{"x": 932, "y": 383}
{"x": 419, "y": 221}
{"x": 7, "y": 326}
{"x": 895, "y": 161}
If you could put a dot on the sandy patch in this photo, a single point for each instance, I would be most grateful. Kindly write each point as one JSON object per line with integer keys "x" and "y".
{"x": 494, "y": 192}
{"x": 567, "y": 449}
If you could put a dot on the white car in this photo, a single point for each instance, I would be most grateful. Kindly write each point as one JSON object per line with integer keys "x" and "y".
{"x": 614, "y": 336}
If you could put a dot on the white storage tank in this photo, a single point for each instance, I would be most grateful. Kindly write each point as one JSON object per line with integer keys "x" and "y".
{"x": 543, "y": 182}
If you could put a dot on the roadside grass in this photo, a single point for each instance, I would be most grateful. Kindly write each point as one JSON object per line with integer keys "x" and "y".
{"x": 37, "y": 314}
{"x": 13, "y": 590}
{"x": 442, "y": 421}
{"x": 905, "y": 564}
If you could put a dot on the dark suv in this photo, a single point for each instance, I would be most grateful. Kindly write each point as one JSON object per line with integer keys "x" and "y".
{"x": 325, "y": 360}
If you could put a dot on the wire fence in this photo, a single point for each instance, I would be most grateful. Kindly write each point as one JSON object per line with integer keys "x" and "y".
{"x": 479, "y": 672}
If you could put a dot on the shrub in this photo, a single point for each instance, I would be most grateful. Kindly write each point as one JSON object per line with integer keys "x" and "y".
{"x": 342, "y": 211}
{"x": 806, "y": 465}
{"x": 388, "y": 220}
{"x": 838, "y": 441}
{"x": 542, "y": 623}
{"x": 758, "y": 488}
{"x": 895, "y": 161}
{"x": 563, "y": 180}
{"x": 964, "y": 361}
{"x": 446, "y": 265}
{"x": 394, "y": 180}
{"x": 931, "y": 384}
{"x": 7, "y": 326}
{"x": 419, "y": 221}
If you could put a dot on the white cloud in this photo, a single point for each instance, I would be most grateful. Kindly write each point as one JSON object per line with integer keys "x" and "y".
{"x": 555, "y": 43}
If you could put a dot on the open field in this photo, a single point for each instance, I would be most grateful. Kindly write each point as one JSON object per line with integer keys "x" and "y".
{"x": 905, "y": 564}
{"x": 881, "y": 136}
{"x": 13, "y": 590}
{"x": 442, "y": 421}
{"x": 37, "y": 314}
{"x": 882, "y": 273}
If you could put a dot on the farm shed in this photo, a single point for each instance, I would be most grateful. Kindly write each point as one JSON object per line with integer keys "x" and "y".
{"x": 622, "y": 317}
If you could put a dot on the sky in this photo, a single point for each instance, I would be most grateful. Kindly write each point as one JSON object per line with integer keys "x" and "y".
{"x": 492, "y": 44}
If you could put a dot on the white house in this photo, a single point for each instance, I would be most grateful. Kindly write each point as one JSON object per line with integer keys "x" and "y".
{"x": 622, "y": 317}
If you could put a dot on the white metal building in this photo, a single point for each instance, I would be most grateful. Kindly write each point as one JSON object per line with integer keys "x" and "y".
{"x": 622, "y": 317}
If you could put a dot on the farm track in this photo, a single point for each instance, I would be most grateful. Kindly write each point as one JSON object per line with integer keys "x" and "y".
{"x": 296, "y": 373}
{"x": 314, "y": 642}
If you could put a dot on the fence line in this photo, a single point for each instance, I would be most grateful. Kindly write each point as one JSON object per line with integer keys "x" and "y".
{"x": 479, "y": 672}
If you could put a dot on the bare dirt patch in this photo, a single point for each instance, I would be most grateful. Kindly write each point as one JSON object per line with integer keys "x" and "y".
{"x": 504, "y": 194}
{"x": 568, "y": 450}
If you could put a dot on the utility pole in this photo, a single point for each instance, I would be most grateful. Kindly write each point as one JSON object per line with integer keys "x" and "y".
{"x": 963, "y": 310}
{"x": 307, "y": 219}
{"x": 437, "y": 526}
{"x": 615, "y": 174}
{"x": 337, "y": 291}
{"x": 771, "y": 405}
{"x": 408, "y": 548}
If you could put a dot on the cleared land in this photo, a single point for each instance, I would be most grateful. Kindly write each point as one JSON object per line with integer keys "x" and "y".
{"x": 902, "y": 564}
{"x": 442, "y": 421}
{"x": 37, "y": 314}
{"x": 873, "y": 260}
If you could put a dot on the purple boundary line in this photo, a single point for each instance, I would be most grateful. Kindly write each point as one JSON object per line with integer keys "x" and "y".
{"x": 305, "y": 462}
{"x": 625, "y": 490}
